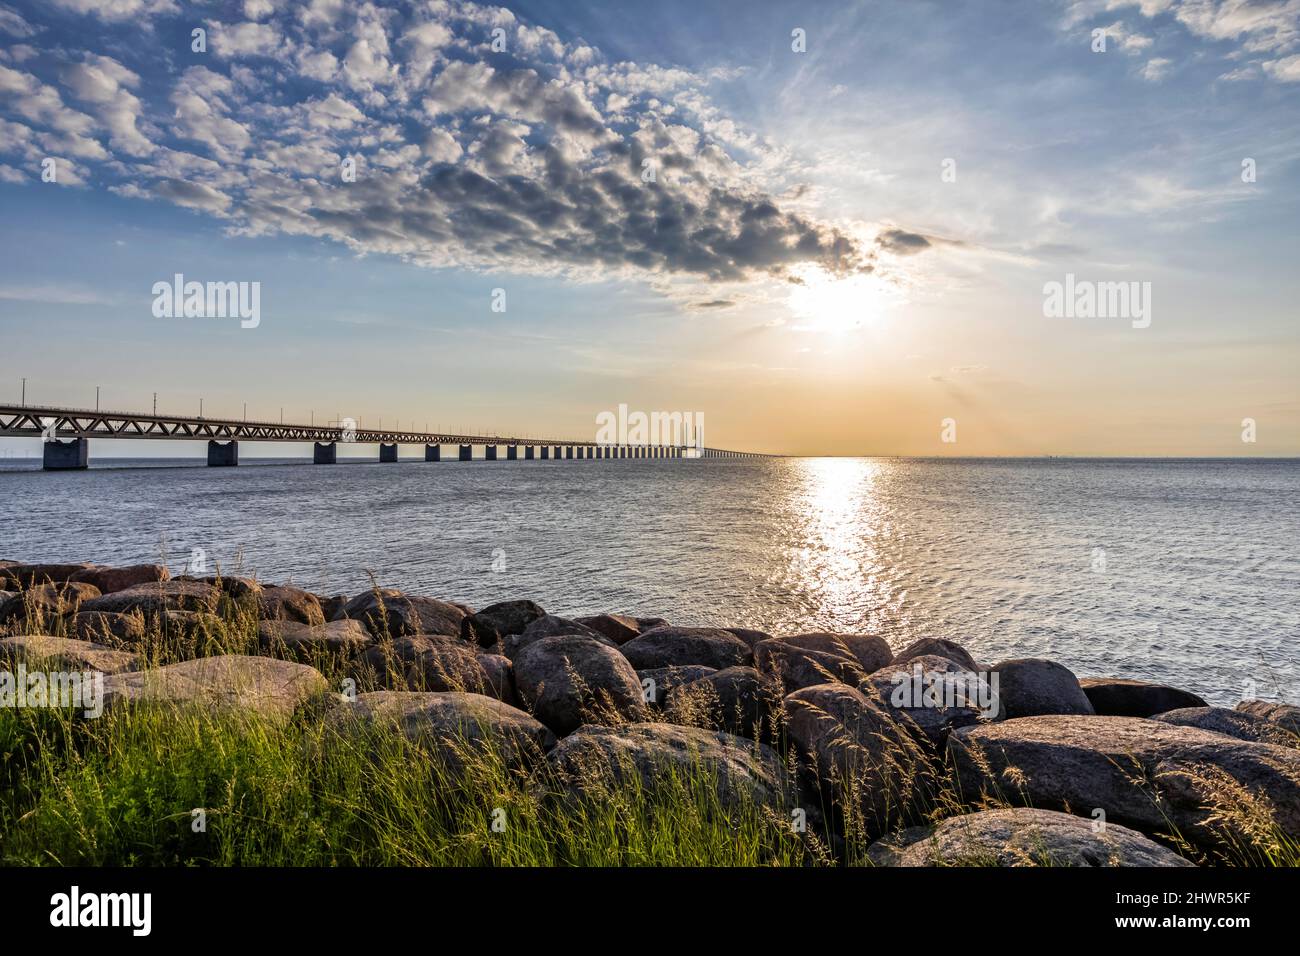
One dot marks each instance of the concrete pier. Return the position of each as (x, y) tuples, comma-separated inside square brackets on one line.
[(433, 453), (71, 455), (490, 452), (325, 453), (466, 452), (387, 453), (512, 452), (559, 453), (529, 451), (223, 454), (568, 451)]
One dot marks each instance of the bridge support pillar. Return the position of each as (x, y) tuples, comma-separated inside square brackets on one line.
[(568, 451), (466, 452), (529, 452), (490, 452), (512, 452), (433, 453), (388, 453), (66, 455), (223, 454), (325, 453), (546, 452)]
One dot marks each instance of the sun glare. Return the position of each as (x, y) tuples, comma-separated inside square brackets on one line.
[(824, 302)]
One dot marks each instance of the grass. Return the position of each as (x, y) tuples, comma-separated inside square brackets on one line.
[(162, 786)]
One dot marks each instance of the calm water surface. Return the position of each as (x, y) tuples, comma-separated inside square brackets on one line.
[(1181, 571)]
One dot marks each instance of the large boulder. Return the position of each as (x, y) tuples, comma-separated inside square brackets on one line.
[(668, 646), (439, 664), (1146, 774), (104, 627), (937, 647), (294, 640), (863, 759), (43, 603), (389, 612), (1233, 723), (572, 680), (805, 660), (231, 585), (738, 700), (230, 684), (659, 758), (1021, 837), (109, 580), (749, 635), (663, 679), (1030, 686), (619, 628), (284, 603), (1121, 697), (488, 627), (24, 576), (155, 598), (1286, 716), (453, 724), (66, 654), (930, 696), (549, 625)]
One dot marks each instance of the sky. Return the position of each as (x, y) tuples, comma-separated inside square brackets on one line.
[(828, 228)]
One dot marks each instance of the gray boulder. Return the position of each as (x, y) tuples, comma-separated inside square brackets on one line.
[(230, 684), (806, 660), (113, 629), (1233, 723), (1121, 697), (664, 679), (284, 603), (42, 604), (440, 664), (1021, 837), (1145, 774), (669, 646), (737, 700), (1286, 716), (387, 612), (494, 623), (548, 626), (66, 654), (937, 647), (572, 680), (108, 580), (1030, 687), (619, 628), (156, 598), (304, 642), (929, 695)]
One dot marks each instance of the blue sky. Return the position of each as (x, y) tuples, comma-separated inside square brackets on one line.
[(798, 270)]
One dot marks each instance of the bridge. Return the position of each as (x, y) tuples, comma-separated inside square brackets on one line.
[(67, 433)]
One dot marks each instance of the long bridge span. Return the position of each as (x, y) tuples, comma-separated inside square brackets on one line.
[(67, 433)]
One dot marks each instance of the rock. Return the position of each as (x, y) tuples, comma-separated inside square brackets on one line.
[(666, 678), (283, 603), (668, 646), (106, 627), (1233, 723), (1119, 697), (43, 603), (303, 642), (1145, 774), (929, 695), (332, 607), (1020, 837), (619, 628), (109, 580), (439, 664), (548, 626), (571, 680), (861, 756), (1286, 716), (805, 660), (66, 654), (1030, 687), (153, 599), (495, 622), (388, 612), (749, 636), (937, 647), (449, 722), (644, 624), (595, 760), (500, 677), (230, 585), (230, 684), (33, 575), (198, 632), (736, 699)]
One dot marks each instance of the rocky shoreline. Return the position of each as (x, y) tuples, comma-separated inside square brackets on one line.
[(939, 758)]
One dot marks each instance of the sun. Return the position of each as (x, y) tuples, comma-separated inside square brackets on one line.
[(824, 302)]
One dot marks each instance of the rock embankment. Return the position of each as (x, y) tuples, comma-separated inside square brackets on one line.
[(938, 758)]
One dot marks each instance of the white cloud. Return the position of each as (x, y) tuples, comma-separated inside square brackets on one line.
[(1287, 69), (1156, 69)]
